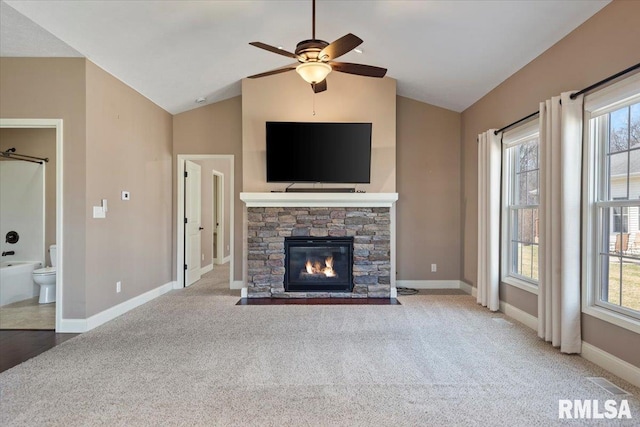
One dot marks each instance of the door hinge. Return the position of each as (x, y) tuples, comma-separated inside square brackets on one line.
[(185, 220), (185, 266), (186, 174)]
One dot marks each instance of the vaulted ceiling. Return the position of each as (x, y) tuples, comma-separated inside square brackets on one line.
[(446, 53)]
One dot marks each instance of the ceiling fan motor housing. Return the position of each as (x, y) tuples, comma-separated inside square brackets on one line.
[(308, 50)]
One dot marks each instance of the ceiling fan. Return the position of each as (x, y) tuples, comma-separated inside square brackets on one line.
[(316, 58)]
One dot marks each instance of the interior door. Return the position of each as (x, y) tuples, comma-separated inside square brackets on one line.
[(192, 224), (216, 257)]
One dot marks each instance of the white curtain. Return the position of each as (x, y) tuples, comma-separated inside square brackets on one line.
[(489, 160), (560, 218)]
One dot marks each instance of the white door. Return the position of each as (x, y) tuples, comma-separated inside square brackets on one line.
[(192, 228), (216, 232)]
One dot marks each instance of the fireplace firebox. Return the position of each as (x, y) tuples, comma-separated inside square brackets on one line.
[(318, 264)]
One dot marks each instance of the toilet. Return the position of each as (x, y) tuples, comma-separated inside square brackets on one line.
[(46, 278)]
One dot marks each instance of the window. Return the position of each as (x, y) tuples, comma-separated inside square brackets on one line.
[(521, 197), (613, 241), (620, 218)]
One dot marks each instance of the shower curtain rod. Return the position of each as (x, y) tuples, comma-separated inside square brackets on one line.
[(21, 160), (12, 152), (576, 94)]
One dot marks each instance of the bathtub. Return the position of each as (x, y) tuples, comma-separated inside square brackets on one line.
[(16, 283)]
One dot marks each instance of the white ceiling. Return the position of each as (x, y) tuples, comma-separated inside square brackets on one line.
[(446, 53)]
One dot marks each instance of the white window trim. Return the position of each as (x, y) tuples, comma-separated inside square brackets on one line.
[(602, 102), (510, 139), (520, 283)]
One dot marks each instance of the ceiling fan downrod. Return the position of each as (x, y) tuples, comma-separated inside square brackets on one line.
[(313, 20)]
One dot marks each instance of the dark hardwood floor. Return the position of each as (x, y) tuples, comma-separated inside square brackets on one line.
[(318, 301), (17, 346)]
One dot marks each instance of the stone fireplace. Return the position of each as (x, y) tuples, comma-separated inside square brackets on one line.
[(343, 245)]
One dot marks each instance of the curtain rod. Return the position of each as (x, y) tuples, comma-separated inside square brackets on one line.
[(577, 94), (495, 132), (605, 81), (21, 160)]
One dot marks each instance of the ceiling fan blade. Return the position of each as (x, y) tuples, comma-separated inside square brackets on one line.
[(276, 71), (274, 49), (339, 47), (359, 69), (319, 87)]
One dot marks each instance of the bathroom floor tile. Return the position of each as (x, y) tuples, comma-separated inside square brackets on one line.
[(28, 314)]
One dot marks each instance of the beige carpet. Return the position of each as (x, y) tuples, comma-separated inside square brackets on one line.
[(28, 314), (192, 357)]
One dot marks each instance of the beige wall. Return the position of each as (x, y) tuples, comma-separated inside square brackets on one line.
[(38, 143), (428, 181), (286, 97), (114, 139), (416, 152), (603, 45), (128, 148), (213, 129), (222, 166), (55, 88)]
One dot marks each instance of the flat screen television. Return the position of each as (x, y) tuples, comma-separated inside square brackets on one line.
[(319, 152)]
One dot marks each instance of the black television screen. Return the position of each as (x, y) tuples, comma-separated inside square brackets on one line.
[(319, 152)]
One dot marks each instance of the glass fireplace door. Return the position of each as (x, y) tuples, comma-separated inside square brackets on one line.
[(318, 264)]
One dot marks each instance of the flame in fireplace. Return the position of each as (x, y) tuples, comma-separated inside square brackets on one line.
[(316, 267), (309, 267), (328, 270)]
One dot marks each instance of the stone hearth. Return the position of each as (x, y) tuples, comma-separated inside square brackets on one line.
[(267, 226)]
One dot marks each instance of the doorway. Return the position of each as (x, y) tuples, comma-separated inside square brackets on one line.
[(204, 238), (218, 224), (192, 222), (59, 236)]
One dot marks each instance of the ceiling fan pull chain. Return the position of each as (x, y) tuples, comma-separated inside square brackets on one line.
[(314, 103)]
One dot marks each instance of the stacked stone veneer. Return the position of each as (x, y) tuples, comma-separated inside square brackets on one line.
[(370, 228)]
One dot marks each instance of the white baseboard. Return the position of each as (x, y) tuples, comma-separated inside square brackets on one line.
[(206, 269), (519, 315), (611, 363), (429, 284), (84, 325), (72, 326), (222, 261), (237, 284), (469, 289), (607, 361)]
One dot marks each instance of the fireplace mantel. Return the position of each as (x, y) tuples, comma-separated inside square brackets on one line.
[(374, 200)]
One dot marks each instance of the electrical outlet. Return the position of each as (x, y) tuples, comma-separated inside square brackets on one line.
[(126, 195), (434, 268), (118, 286)]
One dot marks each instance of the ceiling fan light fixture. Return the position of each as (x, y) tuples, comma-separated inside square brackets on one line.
[(313, 72)]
